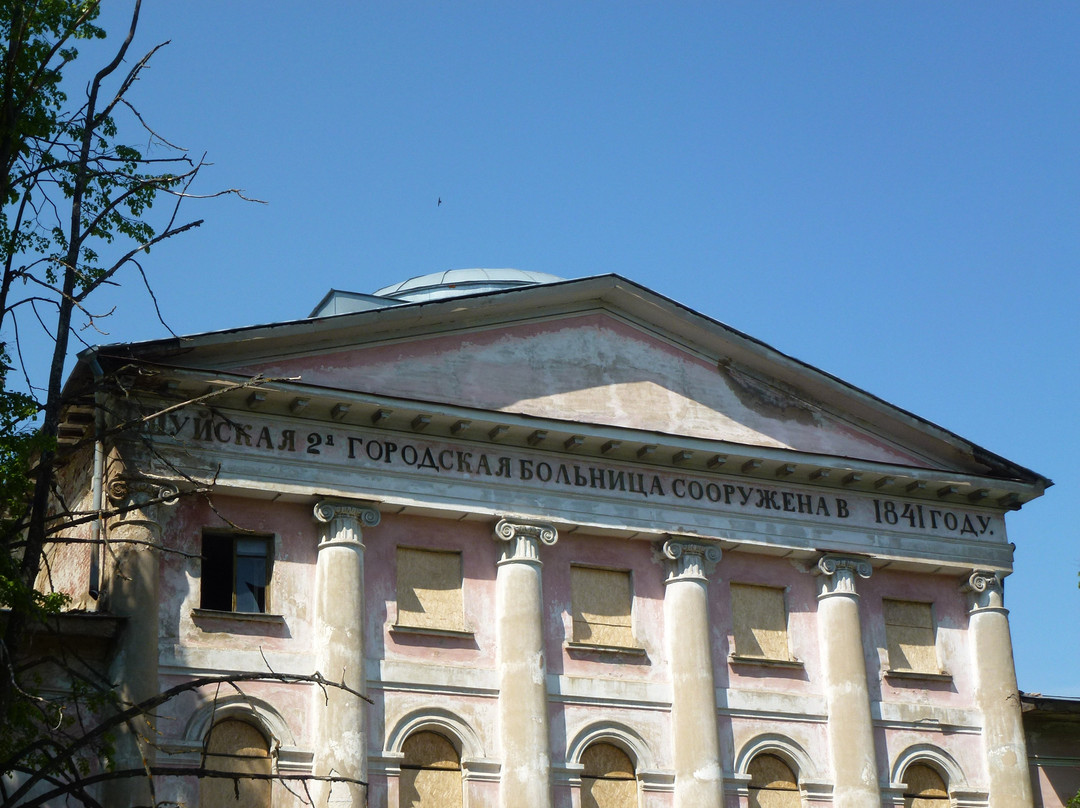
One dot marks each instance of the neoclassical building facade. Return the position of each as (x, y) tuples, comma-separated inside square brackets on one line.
[(567, 544)]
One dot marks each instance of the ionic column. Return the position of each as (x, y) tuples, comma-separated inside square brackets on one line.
[(996, 693), (134, 536), (523, 707), (340, 738), (694, 734), (851, 731)]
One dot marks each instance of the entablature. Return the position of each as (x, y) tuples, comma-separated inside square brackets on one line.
[(311, 405)]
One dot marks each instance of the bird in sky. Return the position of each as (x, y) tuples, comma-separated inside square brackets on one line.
[(440, 202)]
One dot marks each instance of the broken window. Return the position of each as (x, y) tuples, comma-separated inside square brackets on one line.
[(235, 572)]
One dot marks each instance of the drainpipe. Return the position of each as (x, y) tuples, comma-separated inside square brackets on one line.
[(97, 548)]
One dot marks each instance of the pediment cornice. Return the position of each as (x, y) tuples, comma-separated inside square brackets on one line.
[(166, 386)]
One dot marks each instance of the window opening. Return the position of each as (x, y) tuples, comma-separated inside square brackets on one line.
[(235, 573), (924, 788), (429, 589), (601, 601), (430, 773), (608, 779), (910, 633), (772, 784), (236, 746), (759, 617)]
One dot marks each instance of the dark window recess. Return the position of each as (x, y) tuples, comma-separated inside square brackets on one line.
[(235, 573)]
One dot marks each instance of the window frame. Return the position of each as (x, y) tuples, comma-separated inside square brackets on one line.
[(939, 673), (398, 627), (269, 543), (574, 644), (737, 658)]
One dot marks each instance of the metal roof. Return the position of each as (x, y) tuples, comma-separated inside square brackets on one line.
[(454, 282)]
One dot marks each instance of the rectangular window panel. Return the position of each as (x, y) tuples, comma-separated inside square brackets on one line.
[(601, 601), (235, 573), (909, 630), (759, 618), (429, 589)]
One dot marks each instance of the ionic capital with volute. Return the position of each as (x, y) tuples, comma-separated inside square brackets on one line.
[(523, 540), (690, 560), (346, 520), (837, 573), (133, 496), (985, 590)]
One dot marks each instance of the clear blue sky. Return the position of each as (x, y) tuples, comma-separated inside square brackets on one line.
[(888, 191)]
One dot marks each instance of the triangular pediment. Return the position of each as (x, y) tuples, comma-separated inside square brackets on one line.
[(593, 367), (600, 351)]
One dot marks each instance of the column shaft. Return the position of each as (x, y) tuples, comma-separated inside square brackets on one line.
[(135, 538), (340, 738), (851, 731), (694, 733), (997, 695), (523, 707)]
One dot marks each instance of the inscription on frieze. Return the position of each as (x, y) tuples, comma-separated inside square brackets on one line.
[(730, 495)]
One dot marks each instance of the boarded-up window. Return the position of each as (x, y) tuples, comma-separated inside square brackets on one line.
[(601, 602), (608, 779), (924, 788), (760, 622), (429, 589), (772, 784), (909, 629), (430, 773), (235, 746)]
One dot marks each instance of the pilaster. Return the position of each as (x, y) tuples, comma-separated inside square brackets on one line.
[(695, 736), (522, 668)]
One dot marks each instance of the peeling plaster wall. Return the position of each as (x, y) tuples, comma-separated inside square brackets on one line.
[(592, 368), (67, 566)]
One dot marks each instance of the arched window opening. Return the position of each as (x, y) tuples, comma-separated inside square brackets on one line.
[(430, 773), (772, 783), (609, 780), (924, 788), (236, 746)]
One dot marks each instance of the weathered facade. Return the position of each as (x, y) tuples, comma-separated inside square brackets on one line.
[(578, 544)]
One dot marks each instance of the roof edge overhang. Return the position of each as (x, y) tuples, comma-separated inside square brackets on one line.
[(173, 385), (681, 323)]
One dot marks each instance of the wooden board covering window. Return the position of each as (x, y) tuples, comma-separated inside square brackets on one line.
[(924, 788), (430, 773), (608, 779), (772, 784), (909, 630), (429, 589), (759, 619), (236, 746), (601, 601)]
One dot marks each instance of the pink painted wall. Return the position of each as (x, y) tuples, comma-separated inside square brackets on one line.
[(592, 368)]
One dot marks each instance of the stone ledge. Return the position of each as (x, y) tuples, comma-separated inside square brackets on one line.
[(766, 662)]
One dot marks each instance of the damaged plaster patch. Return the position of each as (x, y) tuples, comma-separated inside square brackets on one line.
[(766, 399)]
